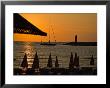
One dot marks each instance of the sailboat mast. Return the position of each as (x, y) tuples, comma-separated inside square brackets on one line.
[(53, 34), (49, 35)]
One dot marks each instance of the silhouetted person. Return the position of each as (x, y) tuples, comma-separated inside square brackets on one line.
[(49, 64), (56, 63), (71, 63), (35, 64), (92, 61)]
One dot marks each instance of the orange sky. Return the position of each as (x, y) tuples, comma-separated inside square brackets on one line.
[(65, 26)]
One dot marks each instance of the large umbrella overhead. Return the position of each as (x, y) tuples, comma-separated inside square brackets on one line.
[(22, 26)]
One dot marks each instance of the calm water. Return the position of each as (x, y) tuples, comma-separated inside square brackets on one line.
[(63, 53)]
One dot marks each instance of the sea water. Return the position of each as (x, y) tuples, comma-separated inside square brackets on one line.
[(63, 53)]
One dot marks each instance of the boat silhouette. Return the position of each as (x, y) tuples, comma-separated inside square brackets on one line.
[(48, 43)]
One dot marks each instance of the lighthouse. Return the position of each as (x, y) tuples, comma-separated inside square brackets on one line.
[(75, 38)]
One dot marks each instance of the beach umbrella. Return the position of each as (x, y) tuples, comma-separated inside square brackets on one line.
[(24, 63), (92, 60), (76, 60), (71, 63), (49, 64), (56, 63), (35, 62)]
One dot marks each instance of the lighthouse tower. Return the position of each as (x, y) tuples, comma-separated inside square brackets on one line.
[(75, 38)]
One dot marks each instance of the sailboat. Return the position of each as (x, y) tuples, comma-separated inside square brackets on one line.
[(49, 43)]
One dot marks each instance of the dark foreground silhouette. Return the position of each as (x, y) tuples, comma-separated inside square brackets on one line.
[(57, 71), (73, 68)]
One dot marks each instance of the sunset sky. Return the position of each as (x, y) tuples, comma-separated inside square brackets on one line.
[(65, 26)]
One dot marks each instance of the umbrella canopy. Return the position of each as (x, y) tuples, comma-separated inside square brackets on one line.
[(24, 62), (22, 26)]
